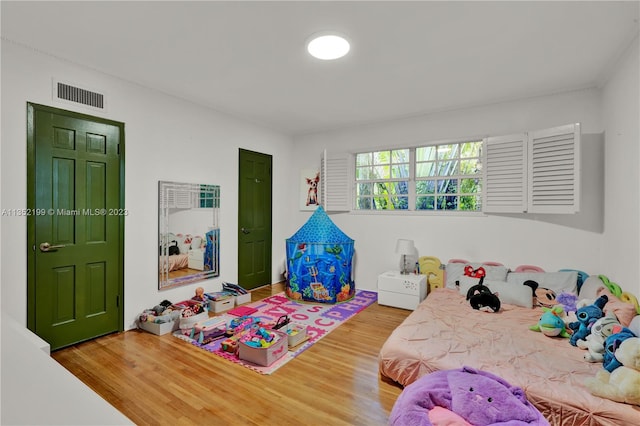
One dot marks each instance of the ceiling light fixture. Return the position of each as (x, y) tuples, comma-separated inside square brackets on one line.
[(328, 46)]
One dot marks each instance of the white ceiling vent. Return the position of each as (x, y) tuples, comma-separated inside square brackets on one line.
[(73, 93)]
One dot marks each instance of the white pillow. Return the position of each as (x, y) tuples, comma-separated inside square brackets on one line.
[(557, 281), (507, 293), (184, 243), (466, 283), (454, 271), (590, 287), (519, 295)]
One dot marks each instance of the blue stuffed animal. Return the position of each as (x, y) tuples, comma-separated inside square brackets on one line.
[(611, 344), (587, 315)]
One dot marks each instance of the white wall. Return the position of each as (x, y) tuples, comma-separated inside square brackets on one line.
[(621, 109), (166, 139), (548, 241)]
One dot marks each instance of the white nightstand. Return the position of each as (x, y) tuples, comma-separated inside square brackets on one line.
[(401, 291), (196, 259)]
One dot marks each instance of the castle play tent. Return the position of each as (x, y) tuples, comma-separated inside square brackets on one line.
[(319, 260)]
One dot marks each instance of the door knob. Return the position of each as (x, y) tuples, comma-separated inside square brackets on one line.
[(44, 247), (245, 230)]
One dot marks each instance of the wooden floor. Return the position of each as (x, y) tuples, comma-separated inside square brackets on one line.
[(159, 380)]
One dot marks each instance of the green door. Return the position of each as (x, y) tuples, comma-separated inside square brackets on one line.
[(254, 220), (75, 231)]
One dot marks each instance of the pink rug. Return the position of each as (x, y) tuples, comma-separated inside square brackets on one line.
[(320, 320)]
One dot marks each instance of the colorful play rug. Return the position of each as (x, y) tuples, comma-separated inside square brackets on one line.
[(320, 320)]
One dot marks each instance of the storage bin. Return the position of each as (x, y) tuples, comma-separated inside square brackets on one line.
[(187, 323), (296, 334), (264, 356), (218, 306), (195, 305), (159, 328), (243, 298)]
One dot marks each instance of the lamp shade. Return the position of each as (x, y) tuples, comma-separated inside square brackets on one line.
[(405, 247)]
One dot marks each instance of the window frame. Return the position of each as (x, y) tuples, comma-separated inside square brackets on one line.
[(413, 181)]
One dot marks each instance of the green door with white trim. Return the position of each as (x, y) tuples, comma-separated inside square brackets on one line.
[(75, 229)]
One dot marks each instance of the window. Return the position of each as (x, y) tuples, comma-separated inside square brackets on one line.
[(382, 180), (448, 177), (443, 177), (208, 197), (529, 172)]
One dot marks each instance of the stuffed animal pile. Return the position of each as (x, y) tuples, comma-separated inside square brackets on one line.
[(616, 346), (623, 383), (594, 342)]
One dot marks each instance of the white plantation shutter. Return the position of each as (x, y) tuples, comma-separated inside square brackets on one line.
[(336, 181), (505, 174), (554, 170)]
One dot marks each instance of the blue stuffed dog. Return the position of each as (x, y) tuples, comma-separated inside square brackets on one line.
[(587, 315)]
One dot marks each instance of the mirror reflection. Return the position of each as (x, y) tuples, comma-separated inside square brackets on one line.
[(189, 236)]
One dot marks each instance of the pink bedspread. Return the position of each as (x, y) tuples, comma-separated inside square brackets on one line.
[(174, 262), (444, 332)]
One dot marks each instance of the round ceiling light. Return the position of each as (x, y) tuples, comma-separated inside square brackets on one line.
[(328, 46)]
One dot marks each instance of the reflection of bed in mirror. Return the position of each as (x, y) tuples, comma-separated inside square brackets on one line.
[(184, 252), (188, 237)]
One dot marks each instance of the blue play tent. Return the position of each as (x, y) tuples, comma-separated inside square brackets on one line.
[(319, 258)]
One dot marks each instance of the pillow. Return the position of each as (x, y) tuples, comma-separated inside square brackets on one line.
[(590, 287), (556, 281), (456, 270), (466, 283), (507, 293), (625, 312), (519, 295), (184, 243)]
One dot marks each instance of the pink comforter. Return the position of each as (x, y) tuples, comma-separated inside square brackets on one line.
[(444, 332), (174, 262)]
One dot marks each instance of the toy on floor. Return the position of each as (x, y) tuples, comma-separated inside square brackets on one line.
[(551, 323), (481, 298), (211, 328), (594, 342), (200, 295), (623, 384), (586, 316)]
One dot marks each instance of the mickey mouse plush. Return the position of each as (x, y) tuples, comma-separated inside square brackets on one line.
[(542, 296), (481, 298)]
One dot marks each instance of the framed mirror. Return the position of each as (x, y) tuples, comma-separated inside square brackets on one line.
[(188, 234)]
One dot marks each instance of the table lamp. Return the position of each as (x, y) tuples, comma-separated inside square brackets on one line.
[(405, 248)]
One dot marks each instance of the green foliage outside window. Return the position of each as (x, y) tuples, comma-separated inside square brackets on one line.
[(446, 177)]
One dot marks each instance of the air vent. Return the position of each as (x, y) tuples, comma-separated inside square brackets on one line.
[(73, 93)]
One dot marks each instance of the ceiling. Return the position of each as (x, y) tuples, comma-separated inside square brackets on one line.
[(248, 59)]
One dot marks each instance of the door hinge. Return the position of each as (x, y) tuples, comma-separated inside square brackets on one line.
[(118, 149), (117, 301)]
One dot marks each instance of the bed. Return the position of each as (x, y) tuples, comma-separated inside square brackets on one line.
[(178, 246), (173, 262), (444, 332)]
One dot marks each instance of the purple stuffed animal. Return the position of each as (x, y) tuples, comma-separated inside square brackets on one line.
[(478, 397)]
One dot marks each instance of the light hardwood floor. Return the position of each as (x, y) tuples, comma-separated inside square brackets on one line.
[(160, 380)]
